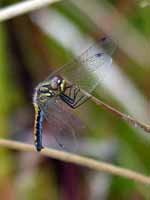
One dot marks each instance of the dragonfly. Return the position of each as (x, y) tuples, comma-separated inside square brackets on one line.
[(70, 85)]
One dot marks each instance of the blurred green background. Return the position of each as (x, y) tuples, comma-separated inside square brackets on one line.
[(32, 46)]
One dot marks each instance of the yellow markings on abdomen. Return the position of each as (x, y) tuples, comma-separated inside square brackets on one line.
[(38, 127)]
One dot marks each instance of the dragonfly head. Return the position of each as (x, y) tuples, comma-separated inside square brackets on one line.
[(57, 83)]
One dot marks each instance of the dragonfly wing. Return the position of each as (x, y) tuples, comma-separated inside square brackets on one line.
[(64, 124), (108, 45), (83, 71)]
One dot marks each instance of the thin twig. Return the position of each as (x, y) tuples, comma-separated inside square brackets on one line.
[(82, 161), (22, 8), (127, 118)]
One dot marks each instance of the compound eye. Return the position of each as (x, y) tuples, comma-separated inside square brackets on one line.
[(55, 82)]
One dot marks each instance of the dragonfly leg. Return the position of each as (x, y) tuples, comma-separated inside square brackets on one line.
[(72, 91), (71, 102), (67, 100), (76, 92), (69, 87), (80, 101)]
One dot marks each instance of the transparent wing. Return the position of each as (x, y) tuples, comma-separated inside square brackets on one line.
[(83, 71), (64, 125)]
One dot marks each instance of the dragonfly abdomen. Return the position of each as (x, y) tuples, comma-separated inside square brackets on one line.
[(38, 125)]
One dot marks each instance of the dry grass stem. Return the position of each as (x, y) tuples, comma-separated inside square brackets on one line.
[(22, 8), (127, 118), (79, 160)]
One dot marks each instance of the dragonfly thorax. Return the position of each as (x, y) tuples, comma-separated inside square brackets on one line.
[(47, 89)]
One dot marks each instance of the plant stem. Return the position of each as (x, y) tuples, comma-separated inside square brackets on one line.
[(80, 160), (22, 8)]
